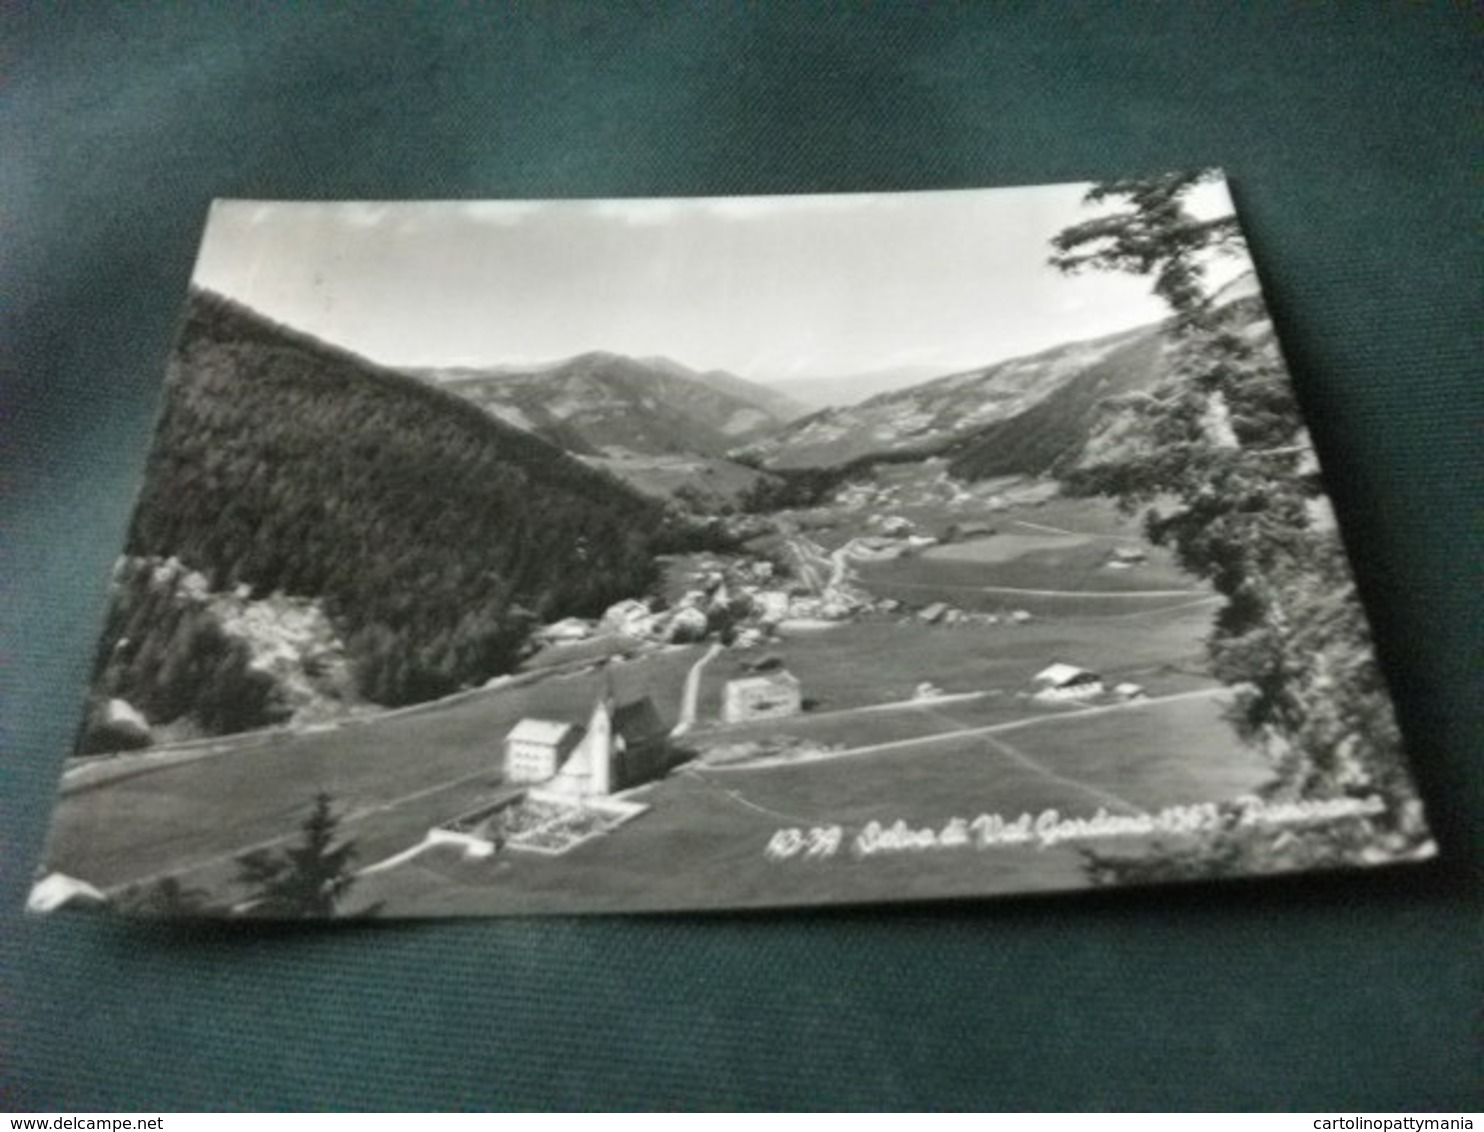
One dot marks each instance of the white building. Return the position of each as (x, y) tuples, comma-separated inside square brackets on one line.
[(536, 748), (1063, 682), (769, 695)]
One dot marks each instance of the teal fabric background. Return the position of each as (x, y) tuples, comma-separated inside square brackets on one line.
[(1352, 138)]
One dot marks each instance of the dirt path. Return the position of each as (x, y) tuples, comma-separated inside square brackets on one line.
[(1064, 531), (1104, 798), (691, 693), (770, 762)]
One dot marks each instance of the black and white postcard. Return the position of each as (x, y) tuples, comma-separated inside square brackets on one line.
[(638, 555)]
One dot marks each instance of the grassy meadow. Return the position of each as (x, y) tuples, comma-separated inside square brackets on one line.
[(865, 750), (703, 841), (445, 757)]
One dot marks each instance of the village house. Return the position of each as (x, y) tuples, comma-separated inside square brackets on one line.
[(933, 613), (1066, 682), (768, 695), (1122, 557)]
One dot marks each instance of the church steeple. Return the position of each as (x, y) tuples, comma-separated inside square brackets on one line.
[(598, 742)]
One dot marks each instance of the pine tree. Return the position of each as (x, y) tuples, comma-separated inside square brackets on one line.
[(306, 880), (1218, 459)]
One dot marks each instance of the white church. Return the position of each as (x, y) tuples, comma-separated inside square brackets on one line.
[(623, 745)]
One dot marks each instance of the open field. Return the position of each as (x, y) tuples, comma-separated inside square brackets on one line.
[(1007, 505), (154, 821), (1004, 547), (1046, 554), (1031, 559), (1090, 605), (193, 819), (1170, 753), (861, 726), (986, 749), (884, 659), (703, 841)]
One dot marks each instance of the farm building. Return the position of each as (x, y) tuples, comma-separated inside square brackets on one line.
[(768, 695), (1066, 682), (536, 748)]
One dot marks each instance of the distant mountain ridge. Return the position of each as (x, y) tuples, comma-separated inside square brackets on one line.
[(1023, 415), (928, 417), (1053, 428), (853, 388), (776, 402), (1072, 425), (602, 403)]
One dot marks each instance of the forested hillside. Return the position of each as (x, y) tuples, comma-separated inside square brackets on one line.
[(1053, 431), (433, 535)]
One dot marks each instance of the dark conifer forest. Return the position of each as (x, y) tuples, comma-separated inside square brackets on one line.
[(434, 535)]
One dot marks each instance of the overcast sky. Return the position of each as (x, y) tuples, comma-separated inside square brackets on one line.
[(769, 288)]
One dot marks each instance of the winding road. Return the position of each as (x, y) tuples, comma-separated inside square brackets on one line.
[(691, 693)]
